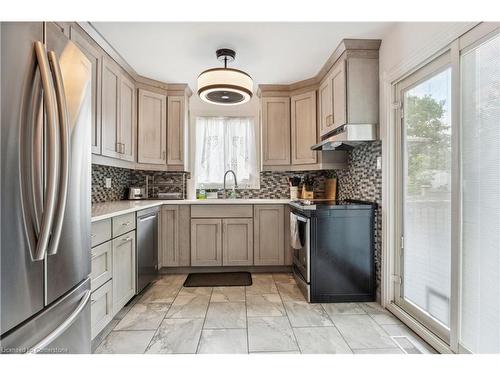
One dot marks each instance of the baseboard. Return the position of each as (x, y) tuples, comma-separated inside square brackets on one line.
[(254, 269)]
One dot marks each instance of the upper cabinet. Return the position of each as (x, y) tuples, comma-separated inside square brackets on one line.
[(303, 126), (117, 113), (109, 109), (95, 57), (349, 92), (127, 119), (152, 128), (275, 120), (176, 130)]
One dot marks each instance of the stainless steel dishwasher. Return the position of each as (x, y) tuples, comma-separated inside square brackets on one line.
[(147, 247)]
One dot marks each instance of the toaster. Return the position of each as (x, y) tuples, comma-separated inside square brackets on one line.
[(136, 193)]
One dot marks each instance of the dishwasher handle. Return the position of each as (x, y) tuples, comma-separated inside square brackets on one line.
[(147, 217)]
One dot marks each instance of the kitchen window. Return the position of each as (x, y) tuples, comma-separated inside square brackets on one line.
[(224, 143)]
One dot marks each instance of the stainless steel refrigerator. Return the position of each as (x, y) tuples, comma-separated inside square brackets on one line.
[(45, 191)]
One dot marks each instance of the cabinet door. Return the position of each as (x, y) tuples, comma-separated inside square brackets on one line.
[(339, 95), (95, 58), (101, 308), (110, 109), (152, 127), (325, 106), (127, 119), (206, 242), (269, 243), (101, 265), (303, 122), (170, 236), (123, 270), (276, 131), (237, 242), (175, 130)]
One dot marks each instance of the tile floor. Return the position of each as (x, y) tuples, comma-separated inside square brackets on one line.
[(270, 316)]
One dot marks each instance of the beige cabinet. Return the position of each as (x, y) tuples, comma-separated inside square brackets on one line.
[(95, 58), (349, 92), (110, 109), (127, 119), (123, 270), (237, 242), (206, 242), (101, 265), (101, 308), (339, 91), (303, 128), (275, 121), (269, 242), (152, 128), (117, 113), (176, 129), (175, 236), (325, 105), (332, 99)]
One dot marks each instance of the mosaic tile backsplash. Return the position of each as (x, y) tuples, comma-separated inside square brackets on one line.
[(121, 179), (360, 180)]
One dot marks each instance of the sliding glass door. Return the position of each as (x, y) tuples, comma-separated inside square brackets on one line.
[(480, 159), (425, 196)]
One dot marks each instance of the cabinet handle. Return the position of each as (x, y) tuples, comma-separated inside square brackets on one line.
[(93, 235), (127, 239), (126, 224)]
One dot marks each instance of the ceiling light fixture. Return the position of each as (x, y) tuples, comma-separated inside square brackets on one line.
[(225, 86)]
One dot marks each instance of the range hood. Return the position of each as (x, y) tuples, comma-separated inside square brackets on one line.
[(347, 136)]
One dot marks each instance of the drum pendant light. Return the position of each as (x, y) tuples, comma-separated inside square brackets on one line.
[(225, 86)]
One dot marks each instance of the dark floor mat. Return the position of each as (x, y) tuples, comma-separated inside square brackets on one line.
[(219, 279)]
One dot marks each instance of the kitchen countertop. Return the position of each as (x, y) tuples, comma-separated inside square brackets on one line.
[(105, 210)]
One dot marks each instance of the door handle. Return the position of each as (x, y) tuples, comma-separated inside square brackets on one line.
[(63, 327), (64, 147), (50, 196)]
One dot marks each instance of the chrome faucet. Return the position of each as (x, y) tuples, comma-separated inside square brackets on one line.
[(233, 195)]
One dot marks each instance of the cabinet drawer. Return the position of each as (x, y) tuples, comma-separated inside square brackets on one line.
[(221, 210), (123, 224), (101, 308), (101, 265), (101, 232)]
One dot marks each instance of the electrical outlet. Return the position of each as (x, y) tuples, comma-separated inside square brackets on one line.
[(107, 182), (379, 162)]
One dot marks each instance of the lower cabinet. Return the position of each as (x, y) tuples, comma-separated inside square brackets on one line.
[(123, 270), (269, 241), (101, 308), (175, 236), (237, 242), (206, 242), (101, 265)]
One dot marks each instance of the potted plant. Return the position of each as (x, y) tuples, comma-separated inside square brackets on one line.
[(331, 184), (307, 187)]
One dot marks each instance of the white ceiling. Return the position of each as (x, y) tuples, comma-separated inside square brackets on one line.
[(177, 52)]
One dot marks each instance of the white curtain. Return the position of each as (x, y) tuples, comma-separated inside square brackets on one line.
[(224, 143)]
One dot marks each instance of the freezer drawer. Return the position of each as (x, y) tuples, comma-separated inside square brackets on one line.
[(63, 327)]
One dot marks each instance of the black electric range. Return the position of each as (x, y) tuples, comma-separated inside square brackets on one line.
[(333, 249)]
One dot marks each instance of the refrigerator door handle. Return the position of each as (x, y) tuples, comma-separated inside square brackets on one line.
[(64, 154), (50, 196), (63, 327)]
